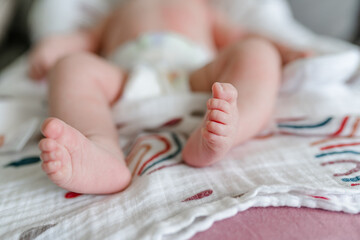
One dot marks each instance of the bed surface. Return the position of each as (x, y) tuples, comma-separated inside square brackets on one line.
[(282, 222)]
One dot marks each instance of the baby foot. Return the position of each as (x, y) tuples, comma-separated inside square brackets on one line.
[(217, 134), (78, 164)]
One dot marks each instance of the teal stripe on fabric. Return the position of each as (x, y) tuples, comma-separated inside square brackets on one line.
[(178, 150), (335, 153), (23, 162), (306, 126), (354, 179)]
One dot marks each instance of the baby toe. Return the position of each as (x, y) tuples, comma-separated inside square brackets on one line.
[(45, 157), (219, 117), (217, 128), (225, 91), (47, 145), (51, 156), (51, 166), (58, 177), (218, 104), (52, 128)]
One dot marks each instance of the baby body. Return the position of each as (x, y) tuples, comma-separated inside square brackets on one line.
[(192, 19), (80, 151)]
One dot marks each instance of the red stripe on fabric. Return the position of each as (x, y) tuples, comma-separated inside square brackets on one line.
[(167, 148), (70, 195), (339, 145), (199, 195), (320, 197), (342, 126), (147, 149)]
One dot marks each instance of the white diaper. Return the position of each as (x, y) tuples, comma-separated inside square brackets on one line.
[(159, 64)]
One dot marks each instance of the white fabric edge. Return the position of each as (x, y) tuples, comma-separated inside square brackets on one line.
[(179, 228)]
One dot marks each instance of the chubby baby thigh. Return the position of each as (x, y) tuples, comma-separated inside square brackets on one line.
[(86, 71)]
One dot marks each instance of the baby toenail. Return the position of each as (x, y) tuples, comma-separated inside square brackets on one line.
[(52, 155), (49, 144), (53, 165), (221, 87)]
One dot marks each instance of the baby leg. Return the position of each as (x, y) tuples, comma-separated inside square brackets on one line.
[(248, 76), (80, 150)]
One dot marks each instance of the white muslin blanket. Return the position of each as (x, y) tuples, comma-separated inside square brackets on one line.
[(309, 156)]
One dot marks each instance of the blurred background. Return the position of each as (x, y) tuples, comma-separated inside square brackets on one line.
[(336, 18)]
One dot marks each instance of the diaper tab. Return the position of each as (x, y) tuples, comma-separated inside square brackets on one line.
[(142, 83)]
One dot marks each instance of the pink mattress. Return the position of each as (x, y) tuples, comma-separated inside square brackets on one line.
[(284, 223)]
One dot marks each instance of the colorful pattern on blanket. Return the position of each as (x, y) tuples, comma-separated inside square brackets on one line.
[(160, 151)]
